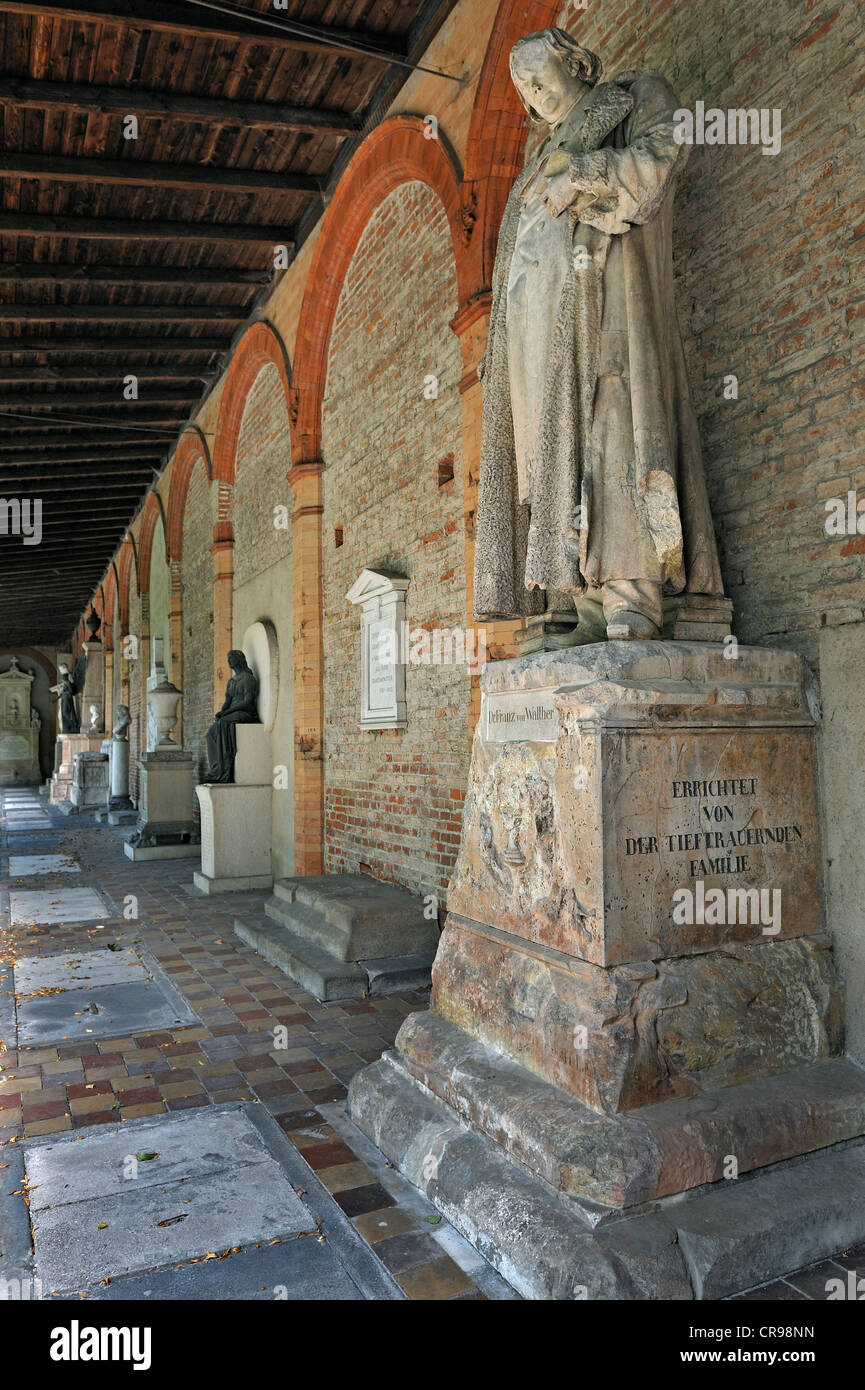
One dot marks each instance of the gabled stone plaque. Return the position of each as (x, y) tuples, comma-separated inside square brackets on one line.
[(382, 691)]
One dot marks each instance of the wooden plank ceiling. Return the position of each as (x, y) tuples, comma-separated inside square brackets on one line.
[(146, 256)]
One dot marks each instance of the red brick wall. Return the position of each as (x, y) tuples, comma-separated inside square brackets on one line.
[(262, 462), (393, 798)]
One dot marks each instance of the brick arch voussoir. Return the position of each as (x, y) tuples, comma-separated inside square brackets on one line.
[(191, 450), (260, 346), (151, 514), (396, 152), (127, 561)]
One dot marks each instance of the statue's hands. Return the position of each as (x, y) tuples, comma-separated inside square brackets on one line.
[(558, 193)]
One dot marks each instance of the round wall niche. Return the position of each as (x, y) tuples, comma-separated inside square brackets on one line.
[(261, 650)]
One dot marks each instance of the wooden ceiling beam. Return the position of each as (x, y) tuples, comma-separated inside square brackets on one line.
[(122, 313), (188, 21), (62, 454), (83, 400), (124, 346), (142, 229), (40, 373), (123, 172), (63, 273), (26, 94)]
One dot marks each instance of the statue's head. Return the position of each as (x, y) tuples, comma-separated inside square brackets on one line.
[(550, 70), (237, 661), (64, 669)]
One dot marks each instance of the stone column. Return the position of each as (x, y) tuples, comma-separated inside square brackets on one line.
[(308, 650)]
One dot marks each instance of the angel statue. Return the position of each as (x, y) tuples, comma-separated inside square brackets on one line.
[(66, 690)]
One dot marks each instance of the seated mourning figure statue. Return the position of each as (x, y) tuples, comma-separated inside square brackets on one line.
[(240, 707)]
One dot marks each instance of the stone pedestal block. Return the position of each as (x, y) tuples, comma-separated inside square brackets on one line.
[(89, 782), (166, 829), (235, 837), (253, 765), (66, 748), (633, 988)]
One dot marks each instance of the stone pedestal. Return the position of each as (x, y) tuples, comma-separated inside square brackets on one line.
[(236, 820), (633, 997), (89, 782), (66, 748), (166, 829), (118, 808)]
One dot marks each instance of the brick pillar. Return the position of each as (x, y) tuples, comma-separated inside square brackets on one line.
[(471, 325), (174, 659), (305, 480), (222, 551)]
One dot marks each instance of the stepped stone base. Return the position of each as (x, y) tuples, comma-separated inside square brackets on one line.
[(344, 936), (708, 1244)]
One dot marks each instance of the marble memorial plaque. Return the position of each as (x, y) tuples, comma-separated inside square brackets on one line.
[(514, 718)]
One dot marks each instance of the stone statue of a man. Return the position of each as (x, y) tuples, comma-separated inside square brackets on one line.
[(591, 479)]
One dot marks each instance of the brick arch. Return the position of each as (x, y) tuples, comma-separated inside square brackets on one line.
[(497, 133), (151, 513), (260, 346), (396, 152), (126, 560), (191, 449)]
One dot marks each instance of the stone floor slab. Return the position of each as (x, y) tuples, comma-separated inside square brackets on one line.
[(79, 970), (80, 1243), (95, 1167), (24, 865), (99, 1012), (305, 1271), (38, 906)]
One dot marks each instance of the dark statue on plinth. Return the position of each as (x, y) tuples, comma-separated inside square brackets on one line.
[(240, 707), (66, 691)]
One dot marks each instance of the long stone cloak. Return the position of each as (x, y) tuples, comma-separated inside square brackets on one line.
[(564, 541)]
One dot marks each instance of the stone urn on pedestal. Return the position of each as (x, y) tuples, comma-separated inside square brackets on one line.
[(166, 829)]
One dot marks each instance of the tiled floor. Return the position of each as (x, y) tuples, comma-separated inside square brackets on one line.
[(257, 1038)]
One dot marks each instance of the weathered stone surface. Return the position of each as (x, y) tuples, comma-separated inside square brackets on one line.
[(235, 835), (353, 916), (624, 1159), (645, 1032), (607, 778), (706, 1245), (344, 936), (747, 1233)]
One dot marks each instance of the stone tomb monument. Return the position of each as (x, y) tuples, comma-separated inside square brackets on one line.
[(19, 729), (166, 828), (631, 1080), (71, 741), (236, 814)]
